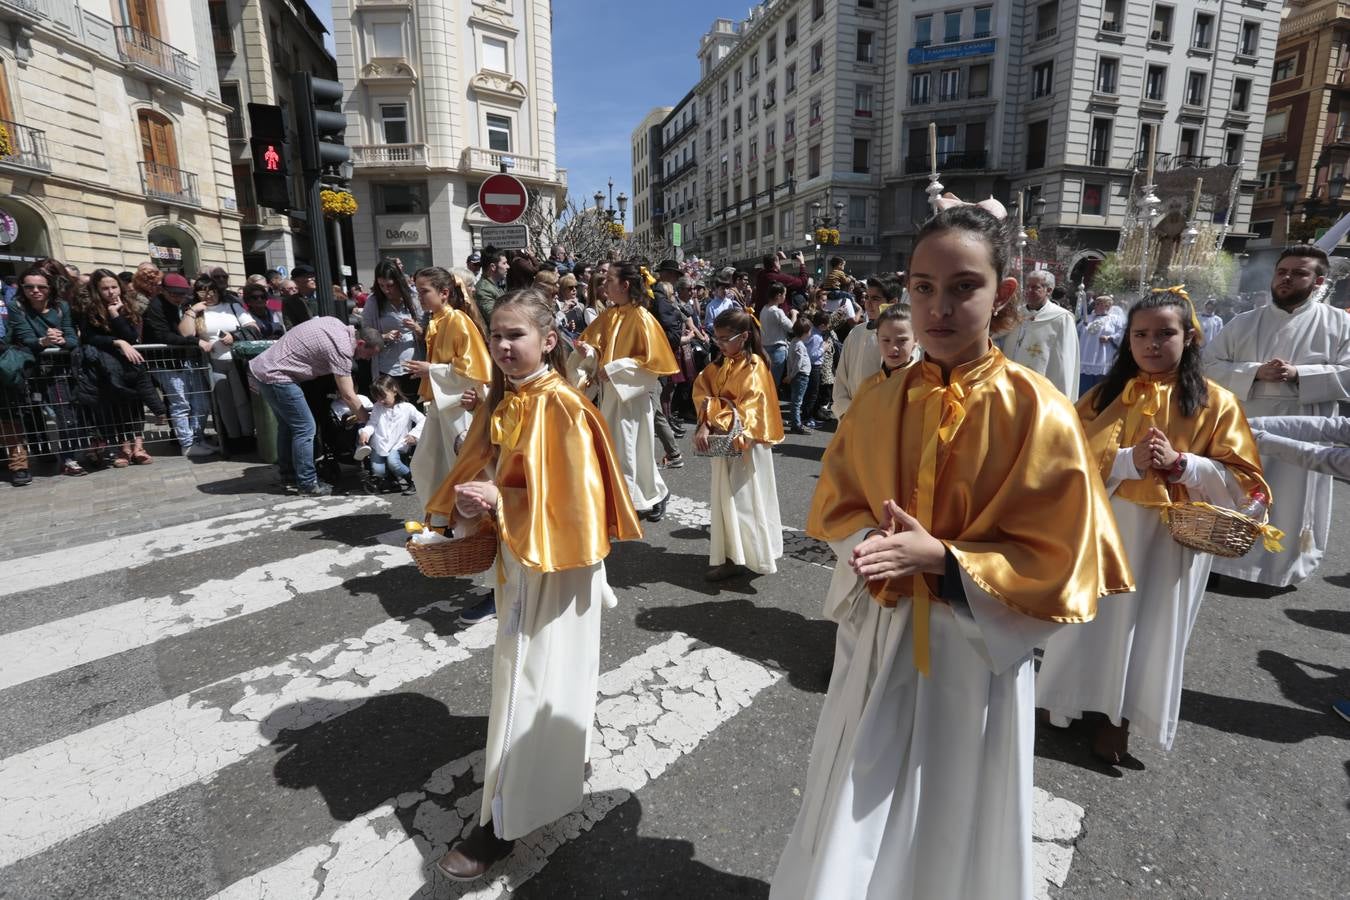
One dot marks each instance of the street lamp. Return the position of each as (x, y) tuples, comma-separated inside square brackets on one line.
[(818, 222), (1290, 197)]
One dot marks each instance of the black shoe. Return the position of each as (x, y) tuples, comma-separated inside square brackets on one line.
[(658, 512), (471, 858), (407, 486), (677, 431), (317, 489), (21, 478), (798, 429)]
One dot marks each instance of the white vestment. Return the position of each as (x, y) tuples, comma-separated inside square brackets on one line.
[(1128, 661), (1098, 355), (628, 403), (1310, 442), (746, 528), (919, 787), (1315, 338), (545, 673), (859, 359), (1211, 324), (1046, 341), (447, 419)]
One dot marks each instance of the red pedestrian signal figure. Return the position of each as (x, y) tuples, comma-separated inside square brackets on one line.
[(272, 159)]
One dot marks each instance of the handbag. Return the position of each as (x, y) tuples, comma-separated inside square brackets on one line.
[(724, 444), (15, 365)]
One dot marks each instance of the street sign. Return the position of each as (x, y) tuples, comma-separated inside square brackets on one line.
[(505, 237), (676, 234), (9, 229), (503, 199)]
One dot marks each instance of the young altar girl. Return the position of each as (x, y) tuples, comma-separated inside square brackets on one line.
[(538, 463), (457, 363), (967, 529), (895, 342), (747, 532), (1158, 430), (625, 352)]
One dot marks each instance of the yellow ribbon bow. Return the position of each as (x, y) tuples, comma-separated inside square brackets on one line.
[(1180, 291), (1144, 399), (507, 421), (943, 413)]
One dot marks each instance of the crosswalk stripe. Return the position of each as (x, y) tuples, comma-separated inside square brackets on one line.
[(653, 709), (58, 566), (66, 787), (55, 646)]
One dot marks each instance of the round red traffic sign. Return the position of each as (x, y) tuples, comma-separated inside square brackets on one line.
[(503, 199)]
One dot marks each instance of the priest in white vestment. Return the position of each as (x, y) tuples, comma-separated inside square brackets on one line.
[(1288, 358), (1046, 340)]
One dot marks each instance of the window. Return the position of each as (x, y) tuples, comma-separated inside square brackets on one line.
[(785, 221), (771, 138), (1113, 15), (750, 228), (946, 142), (754, 66), (494, 55), (1162, 24), (707, 105), (1043, 79), (754, 107), (754, 157), (1250, 41), (737, 163), (736, 77), (1242, 94), (1092, 199), (229, 95), (975, 141), (402, 198), (736, 119), (735, 234), (386, 40), (1284, 68), (814, 118), (817, 57), (949, 84), (1203, 36), (862, 156), (857, 212), (862, 100), (1038, 133), (951, 27), (770, 93), (864, 46), (790, 79), (499, 133), (771, 48), (1232, 149), (1107, 70), (1155, 83), (1196, 82), (923, 31), (920, 88), (724, 128), (724, 92), (1277, 125), (1188, 147), (159, 150), (790, 31), (813, 161), (1047, 19), (1099, 147), (817, 10), (789, 127), (1145, 130), (984, 22), (394, 121), (977, 81), (766, 226), (707, 139)]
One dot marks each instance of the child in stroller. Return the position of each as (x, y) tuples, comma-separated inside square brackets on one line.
[(339, 434)]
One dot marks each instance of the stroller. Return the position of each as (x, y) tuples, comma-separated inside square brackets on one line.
[(338, 435)]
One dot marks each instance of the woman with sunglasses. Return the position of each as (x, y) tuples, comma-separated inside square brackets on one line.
[(217, 322)]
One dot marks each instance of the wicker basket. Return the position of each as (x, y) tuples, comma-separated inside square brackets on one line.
[(1209, 529), (456, 558), (724, 444)]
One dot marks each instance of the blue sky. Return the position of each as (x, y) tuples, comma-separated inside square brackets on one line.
[(613, 60)]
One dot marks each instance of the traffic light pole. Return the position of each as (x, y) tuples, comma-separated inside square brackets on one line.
[(315, 124)]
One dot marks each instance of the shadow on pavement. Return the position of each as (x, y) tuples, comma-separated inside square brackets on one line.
[(1298, 686), (804, 648), (1232, 587), (634, 564), (259, 479), (1338, 580), (405, 594), (1256, 719), (356, 530), (1073, 745), (800, 451), (1337, 620)]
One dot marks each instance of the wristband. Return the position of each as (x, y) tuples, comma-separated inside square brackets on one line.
[(1178, 468)]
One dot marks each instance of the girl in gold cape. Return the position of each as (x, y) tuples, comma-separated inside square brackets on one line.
[(747, 531), (457, 369), (1159, 431), (625, 352), (969, 524), (539, 460), (895, 345)]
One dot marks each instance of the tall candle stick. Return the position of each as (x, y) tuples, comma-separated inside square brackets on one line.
[(932, 146), (1195, 200), (1152, 136)]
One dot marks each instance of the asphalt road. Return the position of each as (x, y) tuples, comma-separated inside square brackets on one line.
[(275, 704)]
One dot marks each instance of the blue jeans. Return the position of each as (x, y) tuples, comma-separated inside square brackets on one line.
[(777, 355), (295, 432), (798, 394), (186, 396), (395, 462)]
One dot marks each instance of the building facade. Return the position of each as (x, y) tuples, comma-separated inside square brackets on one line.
[(442, 94), (646, 146), (258, 44), (117, 135), (679, 170)]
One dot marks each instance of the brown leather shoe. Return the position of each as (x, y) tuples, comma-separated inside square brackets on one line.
[(471, 858), (1111, 743)]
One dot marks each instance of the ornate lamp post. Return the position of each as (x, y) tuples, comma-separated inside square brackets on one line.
[(608, 215), (825, 223), (1290, 197)]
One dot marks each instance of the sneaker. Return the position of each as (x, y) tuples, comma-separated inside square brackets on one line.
[(1340, 707), (206, 442), (658, 512), (199, 450), (673, 462), (811, 423), (480, 612), (362, 453), (797, 429), (317, 489), (74, 469), (21, 477)]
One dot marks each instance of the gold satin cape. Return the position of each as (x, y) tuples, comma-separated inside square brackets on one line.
[(745, 384), (452, 339), (630, 332), (1218, 431), (563, 497), (994, 464), (879, 377)]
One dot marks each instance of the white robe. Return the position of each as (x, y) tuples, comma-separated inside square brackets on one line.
[(446, 420), (1128, 661), (545, 673), (746, 527), (919, 787), (1310, 442), (1097, 357), (859, 359), (1046, 341), (1211, 325), (1315, 338), (628, 401)]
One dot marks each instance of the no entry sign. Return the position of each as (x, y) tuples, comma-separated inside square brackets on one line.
[(502, 198)]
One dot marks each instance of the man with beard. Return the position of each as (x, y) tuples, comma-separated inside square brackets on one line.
[(1288, 358)]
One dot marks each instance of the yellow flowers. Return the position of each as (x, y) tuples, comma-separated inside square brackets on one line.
[(613, 229), (827, 235), (337, 203), (6, 145)]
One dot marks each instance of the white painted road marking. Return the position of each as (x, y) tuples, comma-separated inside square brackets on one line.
[(57, 566)]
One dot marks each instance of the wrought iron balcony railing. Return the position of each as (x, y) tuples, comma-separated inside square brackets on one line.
[(28, 147), (160, 182), (138, 48)]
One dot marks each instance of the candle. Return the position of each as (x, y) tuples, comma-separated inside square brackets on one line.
[(1152, 136), (1195, 201), (932, 146)]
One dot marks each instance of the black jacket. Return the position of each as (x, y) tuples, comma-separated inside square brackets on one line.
[(160, 324)]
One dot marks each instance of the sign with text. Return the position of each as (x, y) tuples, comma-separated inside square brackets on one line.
[(503, 199), (918, 56), (505, 237), (402, 231)]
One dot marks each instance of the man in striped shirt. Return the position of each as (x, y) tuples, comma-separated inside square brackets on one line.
[(315, 348)]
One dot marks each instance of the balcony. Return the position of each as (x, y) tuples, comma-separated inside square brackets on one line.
[(28, 148), (152, 56), (234, 125), (478, 161), (1167, 162), (1338, 135), (948, 160), (159, 182), (24, 11), (389, 156)]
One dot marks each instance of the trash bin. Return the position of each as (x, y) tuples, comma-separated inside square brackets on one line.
[(264, 423)]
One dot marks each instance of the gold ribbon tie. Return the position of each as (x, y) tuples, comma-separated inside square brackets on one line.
[(1144, 399), (507, 421)]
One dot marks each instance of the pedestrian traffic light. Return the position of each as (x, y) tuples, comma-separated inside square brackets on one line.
[(321, 122), (271, 173)]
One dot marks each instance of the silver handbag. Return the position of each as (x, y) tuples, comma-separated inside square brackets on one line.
[(724, 444)]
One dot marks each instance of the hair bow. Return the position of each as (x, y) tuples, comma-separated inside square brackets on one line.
[(1180, 291), (991, 206)]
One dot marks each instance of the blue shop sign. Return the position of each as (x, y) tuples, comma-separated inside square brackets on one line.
[(944, 52)]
